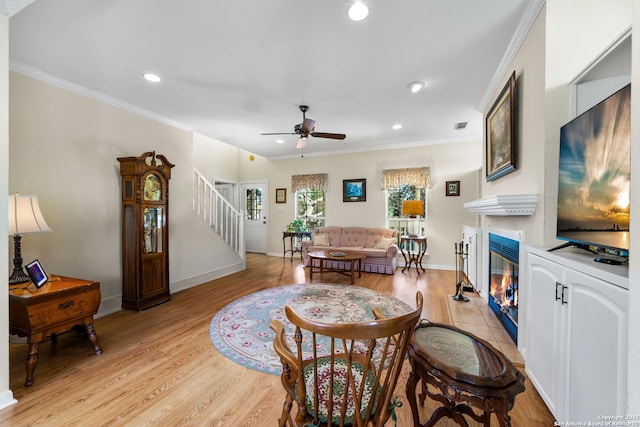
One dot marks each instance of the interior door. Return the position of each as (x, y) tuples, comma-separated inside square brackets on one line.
[(228, 191), (254, 203)]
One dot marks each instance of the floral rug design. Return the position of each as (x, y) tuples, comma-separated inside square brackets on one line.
[(240, 331)]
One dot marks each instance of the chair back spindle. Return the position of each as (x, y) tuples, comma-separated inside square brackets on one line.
[(350, 371)]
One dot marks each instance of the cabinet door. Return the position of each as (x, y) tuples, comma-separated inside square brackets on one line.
[(597, 348), (545, 332)]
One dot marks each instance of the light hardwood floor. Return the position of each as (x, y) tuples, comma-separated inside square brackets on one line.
[(159, 367)]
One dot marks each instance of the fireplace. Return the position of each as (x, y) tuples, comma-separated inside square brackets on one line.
[(504, 255)]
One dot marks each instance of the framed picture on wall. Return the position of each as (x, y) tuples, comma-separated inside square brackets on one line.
[(453, 188), (501, 132), (354, 190), (281, 195)]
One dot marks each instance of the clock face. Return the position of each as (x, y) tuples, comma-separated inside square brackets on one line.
[(152, 188)]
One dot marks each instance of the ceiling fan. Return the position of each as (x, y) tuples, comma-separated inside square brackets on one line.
[(306, 129)]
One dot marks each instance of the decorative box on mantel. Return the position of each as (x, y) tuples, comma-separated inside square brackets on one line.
[(504, 205)]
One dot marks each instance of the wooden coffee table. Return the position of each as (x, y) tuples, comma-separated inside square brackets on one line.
[(354, 259), (465, 371)]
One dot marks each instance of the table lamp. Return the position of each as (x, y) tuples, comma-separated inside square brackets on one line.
[(413, 209), (24, 218)]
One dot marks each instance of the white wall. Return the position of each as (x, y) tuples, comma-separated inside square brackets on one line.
[(529, 176), (6, 396), (64, 148), (445, 215)]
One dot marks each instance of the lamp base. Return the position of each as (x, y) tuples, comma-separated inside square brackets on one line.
[(18, 276)]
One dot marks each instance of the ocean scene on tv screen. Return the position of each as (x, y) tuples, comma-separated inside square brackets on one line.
[(594, 176)]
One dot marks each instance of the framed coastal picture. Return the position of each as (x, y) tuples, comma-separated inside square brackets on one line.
[(501, 132), (354, 190)]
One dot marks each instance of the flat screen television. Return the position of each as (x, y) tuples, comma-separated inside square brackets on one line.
[(594, 178)]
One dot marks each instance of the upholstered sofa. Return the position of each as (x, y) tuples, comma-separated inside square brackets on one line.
[(378, 244)]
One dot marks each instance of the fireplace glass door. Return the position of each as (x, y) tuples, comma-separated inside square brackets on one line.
[(503, 281)]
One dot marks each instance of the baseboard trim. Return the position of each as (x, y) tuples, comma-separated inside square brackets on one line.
[(205, 277), (109, 306), (7, 399), (114, 304)]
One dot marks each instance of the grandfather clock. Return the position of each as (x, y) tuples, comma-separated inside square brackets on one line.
[(145, 230)]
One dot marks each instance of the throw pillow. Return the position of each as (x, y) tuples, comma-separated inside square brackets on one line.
[(320, 240), (385, 243)]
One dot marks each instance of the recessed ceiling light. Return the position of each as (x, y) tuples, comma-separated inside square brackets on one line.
[(151, 77), (358, 11), (280, 141), (396, 126), (416, 86)]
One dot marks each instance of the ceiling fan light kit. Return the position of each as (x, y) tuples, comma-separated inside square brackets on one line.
[(307, 129)]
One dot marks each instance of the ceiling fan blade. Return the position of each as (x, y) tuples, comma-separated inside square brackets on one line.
[(328, 135), (278, 133), (308, 125)]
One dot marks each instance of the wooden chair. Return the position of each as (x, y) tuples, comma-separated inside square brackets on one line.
[(360, 371)]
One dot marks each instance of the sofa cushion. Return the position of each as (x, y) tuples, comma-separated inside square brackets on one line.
[(320, 239), (334, 233), (375, 234), (384, 243), (373, 253), (353, 236)]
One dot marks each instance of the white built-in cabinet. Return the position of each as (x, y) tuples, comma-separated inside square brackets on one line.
[(576, 337)]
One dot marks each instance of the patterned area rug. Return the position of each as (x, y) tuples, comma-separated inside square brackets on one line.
[(240, 331)]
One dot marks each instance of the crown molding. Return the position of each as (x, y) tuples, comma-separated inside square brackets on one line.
[(98, 96), (11, 7), (525, 24)]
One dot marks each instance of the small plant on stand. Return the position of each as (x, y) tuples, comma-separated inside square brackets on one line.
[(296, 225)]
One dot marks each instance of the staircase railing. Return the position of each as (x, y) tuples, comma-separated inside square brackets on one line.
[(217, 213)]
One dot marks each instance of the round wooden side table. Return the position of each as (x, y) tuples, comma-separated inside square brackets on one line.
[(413, 249), (460, 371)]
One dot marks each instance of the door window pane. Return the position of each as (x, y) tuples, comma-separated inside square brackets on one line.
[(254, 204)]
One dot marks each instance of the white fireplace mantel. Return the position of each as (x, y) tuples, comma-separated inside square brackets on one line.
[(504, 205)]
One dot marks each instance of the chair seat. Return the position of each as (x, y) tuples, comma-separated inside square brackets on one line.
[(339, 385)]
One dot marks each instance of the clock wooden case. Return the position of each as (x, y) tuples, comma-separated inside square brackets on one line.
[(145, 230)]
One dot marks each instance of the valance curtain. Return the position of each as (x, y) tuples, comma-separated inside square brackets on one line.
[(394, 178), (314, 181)]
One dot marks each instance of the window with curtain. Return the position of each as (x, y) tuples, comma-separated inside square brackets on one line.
[(309, 192), (405, 184)]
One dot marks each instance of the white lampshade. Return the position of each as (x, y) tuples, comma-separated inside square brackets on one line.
[(25, 216)]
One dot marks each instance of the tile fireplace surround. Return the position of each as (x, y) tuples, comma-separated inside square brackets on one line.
[(476, 317)]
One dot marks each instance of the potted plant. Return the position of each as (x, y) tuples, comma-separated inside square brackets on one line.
[(296, 225)]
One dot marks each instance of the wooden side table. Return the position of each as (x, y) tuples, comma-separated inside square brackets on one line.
[(293, 248), (465, 372), (413, 249), (58, 306)]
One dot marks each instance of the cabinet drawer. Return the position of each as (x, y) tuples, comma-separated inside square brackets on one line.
[(64, 308)]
